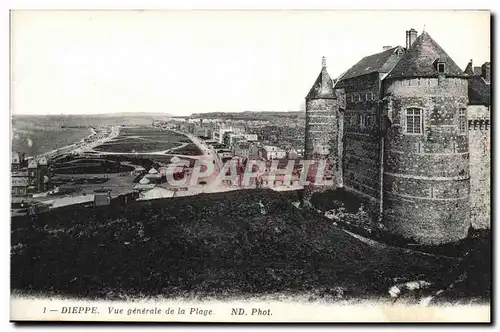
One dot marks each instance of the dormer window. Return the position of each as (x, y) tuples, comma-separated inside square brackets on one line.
[(441, 68)]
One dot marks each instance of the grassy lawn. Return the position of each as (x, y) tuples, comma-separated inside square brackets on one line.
[(89, 166), (218, 245), (144, 139)]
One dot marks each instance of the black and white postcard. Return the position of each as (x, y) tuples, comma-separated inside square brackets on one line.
[(250, 165)]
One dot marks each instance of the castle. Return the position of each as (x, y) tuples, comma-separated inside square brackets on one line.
[(408, 131)]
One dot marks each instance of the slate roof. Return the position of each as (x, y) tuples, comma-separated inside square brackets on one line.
[(479, 89), (323, 87), (381, 62), (420, 60)]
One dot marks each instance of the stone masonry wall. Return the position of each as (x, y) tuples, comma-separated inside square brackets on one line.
[(321, 138), (361, 142), (480, 165), (426, 175)]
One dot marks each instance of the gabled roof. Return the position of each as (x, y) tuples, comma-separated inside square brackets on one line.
[(420, 60), (323, 87), (42, 161), (381, 62), (32, 164)]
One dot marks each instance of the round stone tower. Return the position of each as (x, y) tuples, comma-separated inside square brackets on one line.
[(426, 159), (321, 132)]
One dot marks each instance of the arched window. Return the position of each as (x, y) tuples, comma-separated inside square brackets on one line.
[(414, 121)]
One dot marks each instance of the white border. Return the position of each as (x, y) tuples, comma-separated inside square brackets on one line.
[(166, 4)]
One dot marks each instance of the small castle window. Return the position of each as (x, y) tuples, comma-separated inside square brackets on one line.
[(462, 121), (470, 124), (352, 97), (441, 68), (413, 121), (354, 119), (418, 147), (362, 123), (486, 124), (359, 96), (481, 124)]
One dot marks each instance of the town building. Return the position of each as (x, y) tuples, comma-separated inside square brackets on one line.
[(280, 181), (241, 150), (218, 133), (401, 140), (201, 132), (38, 175), (271, 152), (292, 154), (19, 183), (17, 161)]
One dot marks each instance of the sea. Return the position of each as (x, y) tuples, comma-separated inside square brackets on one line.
[(37, 134)]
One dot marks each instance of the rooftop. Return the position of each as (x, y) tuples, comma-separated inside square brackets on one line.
[(479, 87), (323, 87), (421, 58), (381, 62)]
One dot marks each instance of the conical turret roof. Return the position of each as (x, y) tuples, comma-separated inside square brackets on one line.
[(323, 87), (421, 59)]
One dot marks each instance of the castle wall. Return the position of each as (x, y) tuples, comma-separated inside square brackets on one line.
[(426, 176), (321, 134), (361, 142), (480, 165)]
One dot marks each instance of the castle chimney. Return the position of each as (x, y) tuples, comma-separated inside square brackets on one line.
[(411, 35), (486, 71), (385, 48)]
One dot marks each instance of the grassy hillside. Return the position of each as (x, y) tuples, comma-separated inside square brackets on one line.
[(220, 244)]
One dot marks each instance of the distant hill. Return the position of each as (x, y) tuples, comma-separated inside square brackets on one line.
[(249, 115), (90, 116)]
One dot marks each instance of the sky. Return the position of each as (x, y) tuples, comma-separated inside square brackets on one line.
[(183, 62)]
